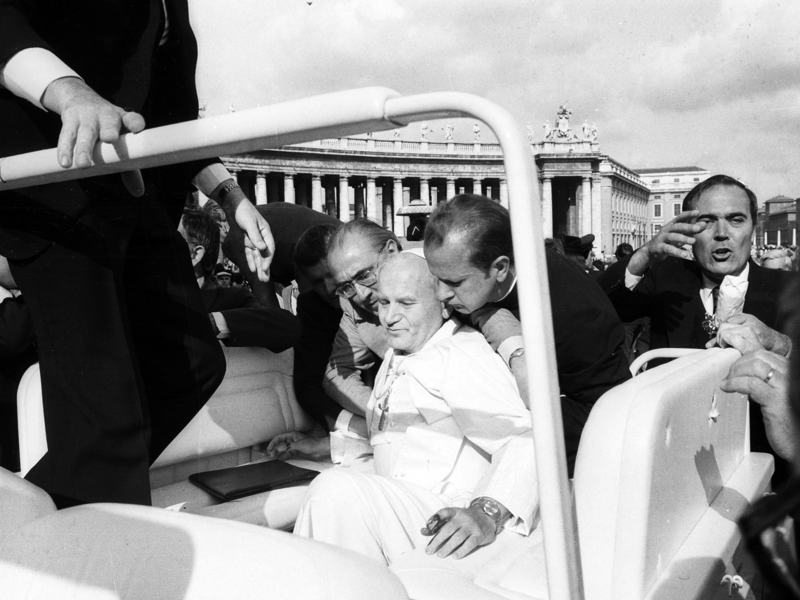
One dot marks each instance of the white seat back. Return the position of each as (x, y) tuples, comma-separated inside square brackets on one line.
[(30, 419), (254, 403), (654, 455)]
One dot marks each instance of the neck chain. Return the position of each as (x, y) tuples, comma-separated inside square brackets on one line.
[(382, 397)]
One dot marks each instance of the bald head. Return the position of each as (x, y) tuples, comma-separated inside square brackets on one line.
[(407, 304)]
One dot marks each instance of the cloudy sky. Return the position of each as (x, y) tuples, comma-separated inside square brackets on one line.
[(711, 83)]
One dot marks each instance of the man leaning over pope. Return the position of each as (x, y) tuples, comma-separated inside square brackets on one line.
[(451, 438)]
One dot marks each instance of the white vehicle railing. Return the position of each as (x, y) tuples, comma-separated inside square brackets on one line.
[(376, 109)]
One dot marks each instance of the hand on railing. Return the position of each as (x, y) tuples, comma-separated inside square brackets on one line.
[(85, 118)]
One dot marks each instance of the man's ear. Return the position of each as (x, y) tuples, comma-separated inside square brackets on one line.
[(391, 247), (197, 254), (502, 265)]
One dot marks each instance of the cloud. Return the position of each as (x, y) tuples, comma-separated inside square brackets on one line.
[(713, 83)]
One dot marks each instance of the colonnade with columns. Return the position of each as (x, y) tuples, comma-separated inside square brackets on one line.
[(587, 200), (375, 196)]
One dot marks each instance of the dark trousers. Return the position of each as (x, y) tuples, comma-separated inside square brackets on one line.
[(126, 351)]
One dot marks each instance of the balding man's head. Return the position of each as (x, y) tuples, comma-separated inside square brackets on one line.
[(407, 304)]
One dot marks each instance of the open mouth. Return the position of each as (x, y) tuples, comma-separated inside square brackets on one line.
[(722, 254)]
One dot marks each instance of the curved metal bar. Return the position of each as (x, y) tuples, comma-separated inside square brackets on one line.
[(564, 579), (375, 109)]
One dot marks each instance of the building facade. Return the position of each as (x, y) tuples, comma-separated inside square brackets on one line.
[(581, 189), (667, 188), (778, 222)]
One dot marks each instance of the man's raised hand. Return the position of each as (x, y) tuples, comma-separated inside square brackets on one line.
[(670, 241)]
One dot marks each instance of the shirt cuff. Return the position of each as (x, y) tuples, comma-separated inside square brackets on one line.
[(347, 446), (631, 280), (509, 346), (28, 73), (210, 177), (222, 325), (343, 421)]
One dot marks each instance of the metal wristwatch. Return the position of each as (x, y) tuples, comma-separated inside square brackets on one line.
[(492, 509)]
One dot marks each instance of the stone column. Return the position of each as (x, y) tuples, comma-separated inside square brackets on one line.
[(397, 198), (316, 193), (547, 207), (288, 188), (424, 190), (344, 199), (504, 193), (586, 207), (477, 187), (451, 187), (373, 211), (261, 188)]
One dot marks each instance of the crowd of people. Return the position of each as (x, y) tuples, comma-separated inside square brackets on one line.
[(409, 360)]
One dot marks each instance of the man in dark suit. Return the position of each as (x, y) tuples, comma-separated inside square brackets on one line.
[(699, 260), (235, 316), (288, 223), (468, 248), (127, 355)]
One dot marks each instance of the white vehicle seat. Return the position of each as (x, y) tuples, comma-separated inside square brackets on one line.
[(662, 474), (21, 503), (254, 403), (115, 551)]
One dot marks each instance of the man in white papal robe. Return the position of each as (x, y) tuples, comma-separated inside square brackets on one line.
[(451, 437)]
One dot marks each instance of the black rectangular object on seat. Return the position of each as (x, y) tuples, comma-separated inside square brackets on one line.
[(246, 480)]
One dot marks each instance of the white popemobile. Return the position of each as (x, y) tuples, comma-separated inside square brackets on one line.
[(663, 472)]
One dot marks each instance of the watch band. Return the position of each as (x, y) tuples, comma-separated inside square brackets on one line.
[(227, 189), (492, 509)]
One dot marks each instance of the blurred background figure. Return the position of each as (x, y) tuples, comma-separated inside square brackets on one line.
[(622, 251), (779, 258), (223, 275)]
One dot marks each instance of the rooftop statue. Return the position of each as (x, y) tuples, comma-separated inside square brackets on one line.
[(563, 132), (448, 132), (476, 129), (423, 131)]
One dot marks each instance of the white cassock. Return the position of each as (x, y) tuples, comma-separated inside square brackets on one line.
[(446, 425)]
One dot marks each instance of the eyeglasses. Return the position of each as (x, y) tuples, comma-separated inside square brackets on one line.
[(348, 289), (769, 528)]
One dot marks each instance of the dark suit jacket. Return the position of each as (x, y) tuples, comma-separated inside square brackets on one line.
[(320, 323), (114, 46), (669, 293), (251, 323), (288, 222), (588, 337)]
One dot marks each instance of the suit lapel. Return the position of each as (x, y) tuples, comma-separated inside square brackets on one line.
[(689, 330)]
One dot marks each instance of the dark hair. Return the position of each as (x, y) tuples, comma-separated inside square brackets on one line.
[(480, 220), (623, 250), (312, 246), (717, 180), (202, 230), (371, 231)]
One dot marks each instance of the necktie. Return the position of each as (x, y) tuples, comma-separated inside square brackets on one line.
[(709, 321), (715, 298)]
